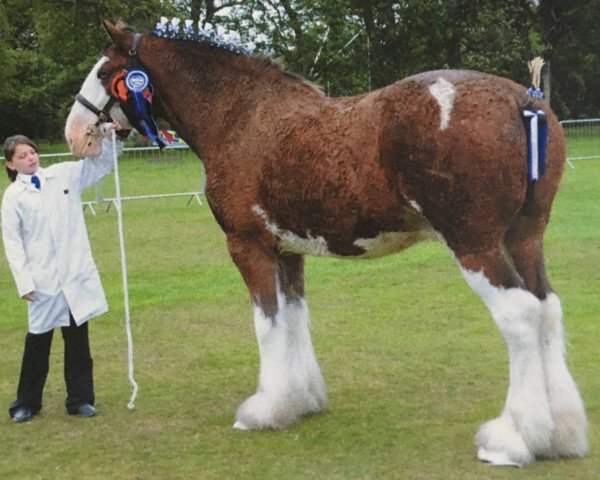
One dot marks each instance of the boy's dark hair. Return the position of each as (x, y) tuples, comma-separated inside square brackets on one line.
[(10, 145)]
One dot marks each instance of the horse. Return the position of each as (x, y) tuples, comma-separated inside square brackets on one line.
[(291, 172)]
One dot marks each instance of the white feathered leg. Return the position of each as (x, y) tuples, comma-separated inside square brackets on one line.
[(290, 381), (525, 427), (570, 432)]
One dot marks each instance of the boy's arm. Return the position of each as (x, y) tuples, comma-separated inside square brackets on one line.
[(94, 168), (13, 247)]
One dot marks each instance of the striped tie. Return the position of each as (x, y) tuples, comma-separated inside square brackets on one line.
[(36, 181)]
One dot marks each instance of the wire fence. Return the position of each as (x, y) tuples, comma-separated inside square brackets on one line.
[(583, 138), (169, 155), (583, 143)]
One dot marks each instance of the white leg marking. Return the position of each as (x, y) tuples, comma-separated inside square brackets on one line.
[(290, 381), (525, 427), (444, 92), (566, 406), (289, 242), (416, 206)]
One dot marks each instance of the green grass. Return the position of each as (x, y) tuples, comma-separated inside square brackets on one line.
[(412, 359)]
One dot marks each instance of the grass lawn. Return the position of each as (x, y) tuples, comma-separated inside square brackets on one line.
[(411, 357)]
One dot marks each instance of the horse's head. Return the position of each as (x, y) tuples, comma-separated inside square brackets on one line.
[(96, 101)]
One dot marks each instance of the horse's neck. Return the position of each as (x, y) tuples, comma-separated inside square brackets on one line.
[(203, 90)]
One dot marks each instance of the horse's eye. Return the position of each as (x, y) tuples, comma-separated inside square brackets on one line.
[(102, 75)]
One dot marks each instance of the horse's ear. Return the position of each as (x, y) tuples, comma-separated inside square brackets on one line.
[(117, 34)]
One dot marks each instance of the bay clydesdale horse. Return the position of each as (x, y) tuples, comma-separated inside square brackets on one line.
[(291, 172)]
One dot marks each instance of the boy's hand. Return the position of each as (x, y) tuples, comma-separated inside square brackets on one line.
[(28, 296), (107, 128)]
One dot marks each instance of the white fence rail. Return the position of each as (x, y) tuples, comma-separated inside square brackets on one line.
[(583, 142), (148, 154), (583, 138)]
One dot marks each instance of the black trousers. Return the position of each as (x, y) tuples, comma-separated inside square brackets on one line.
[(78, 369)]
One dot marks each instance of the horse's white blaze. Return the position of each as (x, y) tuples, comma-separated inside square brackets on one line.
[(80, 118), (292, 243), (443, 91), (94, 92), (290, 381), (92, 88), (518, 314)]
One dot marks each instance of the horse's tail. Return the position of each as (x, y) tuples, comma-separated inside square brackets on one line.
[(545, 156), (524, 237)]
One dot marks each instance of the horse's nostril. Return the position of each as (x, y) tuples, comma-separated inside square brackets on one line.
[(89, 144)]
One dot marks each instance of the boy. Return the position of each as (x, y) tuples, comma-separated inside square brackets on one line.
[(48, 251)]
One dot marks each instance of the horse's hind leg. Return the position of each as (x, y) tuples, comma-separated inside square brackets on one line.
[(525, 426), (569, 438), (290, 382)]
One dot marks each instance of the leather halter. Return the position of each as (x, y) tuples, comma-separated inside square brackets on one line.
[(103, 113)]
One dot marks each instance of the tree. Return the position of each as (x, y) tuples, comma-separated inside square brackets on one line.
[(50, 47), (571, 31), (6, 58), (346, 46)]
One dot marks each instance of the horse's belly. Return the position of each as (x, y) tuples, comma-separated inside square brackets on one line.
[(379, 246), (389, 242), (342, 244)]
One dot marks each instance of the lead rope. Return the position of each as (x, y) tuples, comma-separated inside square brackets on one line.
[(131, 403)]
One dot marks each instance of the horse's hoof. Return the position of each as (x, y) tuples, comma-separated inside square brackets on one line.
[(500, 459), (240, 426), (265, 412), (499, 443)]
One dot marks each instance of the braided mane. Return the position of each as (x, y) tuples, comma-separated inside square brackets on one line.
[(220, 39)]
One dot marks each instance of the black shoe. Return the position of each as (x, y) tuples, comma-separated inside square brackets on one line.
[(22, 414), (86, 410)]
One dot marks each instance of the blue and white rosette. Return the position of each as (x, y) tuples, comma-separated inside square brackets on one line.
[(137, 81)]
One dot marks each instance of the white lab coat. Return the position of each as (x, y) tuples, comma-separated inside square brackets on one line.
[(46, 242)]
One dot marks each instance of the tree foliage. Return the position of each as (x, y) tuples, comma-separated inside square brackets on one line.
[(50, 46), (347, 46), (571, 34)]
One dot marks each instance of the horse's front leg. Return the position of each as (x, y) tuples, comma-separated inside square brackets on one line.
[(290, 382)]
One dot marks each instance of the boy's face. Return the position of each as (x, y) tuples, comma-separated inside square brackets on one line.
[(25, 160)]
